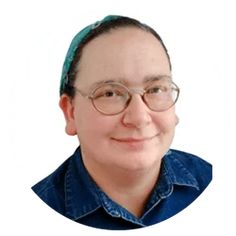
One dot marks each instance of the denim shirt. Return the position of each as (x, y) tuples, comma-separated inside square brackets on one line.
[(71, 191)]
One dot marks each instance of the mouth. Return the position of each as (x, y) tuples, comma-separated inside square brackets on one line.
[(134, 142)]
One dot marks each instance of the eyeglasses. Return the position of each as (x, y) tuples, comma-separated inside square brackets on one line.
[(112, 98)]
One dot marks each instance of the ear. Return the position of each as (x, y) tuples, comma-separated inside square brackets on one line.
[(67, 106), (176, 120)]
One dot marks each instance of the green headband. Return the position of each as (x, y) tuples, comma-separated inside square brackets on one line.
[(74, 45)]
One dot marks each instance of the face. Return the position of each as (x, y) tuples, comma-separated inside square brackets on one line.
[(137, 138)]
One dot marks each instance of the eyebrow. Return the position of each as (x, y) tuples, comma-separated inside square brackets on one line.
[(147, 79), (152, 78)]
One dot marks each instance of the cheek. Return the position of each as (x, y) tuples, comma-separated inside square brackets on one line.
[(166, 121), (91, 125)]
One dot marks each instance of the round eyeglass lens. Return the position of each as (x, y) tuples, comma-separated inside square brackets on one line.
[(161, 95), (110, 98)]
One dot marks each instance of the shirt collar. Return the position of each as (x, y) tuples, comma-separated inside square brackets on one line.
[(83, 196), (177, 172), (80, 190), (173, 172)]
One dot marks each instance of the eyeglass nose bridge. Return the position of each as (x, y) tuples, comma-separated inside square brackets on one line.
[(137, 91), (132, 91)]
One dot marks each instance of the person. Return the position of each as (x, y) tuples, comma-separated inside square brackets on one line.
[(118, 97)]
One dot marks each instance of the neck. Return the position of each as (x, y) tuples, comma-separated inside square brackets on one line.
[(131, 189)]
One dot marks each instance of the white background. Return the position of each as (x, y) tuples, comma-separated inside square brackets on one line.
[(200, 36)]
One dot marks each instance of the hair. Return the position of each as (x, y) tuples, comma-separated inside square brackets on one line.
[(98, 30)]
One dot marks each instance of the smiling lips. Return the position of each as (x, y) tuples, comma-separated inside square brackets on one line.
[(133, 140), (134, 144)]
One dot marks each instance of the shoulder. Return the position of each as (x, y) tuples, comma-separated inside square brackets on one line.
[(189, 158), (196, 166), (51, 188)]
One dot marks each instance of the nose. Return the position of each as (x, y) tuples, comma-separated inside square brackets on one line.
[(137, 114)]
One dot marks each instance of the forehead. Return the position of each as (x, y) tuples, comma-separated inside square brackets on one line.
[(129, 53)]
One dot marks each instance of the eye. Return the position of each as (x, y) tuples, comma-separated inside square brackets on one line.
[(156, 90), (114, 92), (109, 92)]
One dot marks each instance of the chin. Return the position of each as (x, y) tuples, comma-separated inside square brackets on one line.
[(138, 162)]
